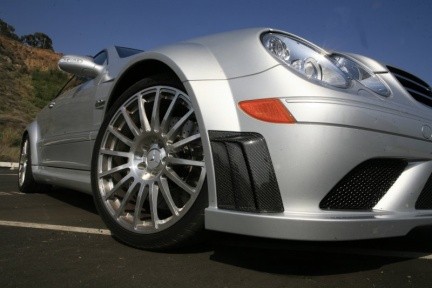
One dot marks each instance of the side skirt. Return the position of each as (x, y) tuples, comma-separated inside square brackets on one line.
[(68, 178)]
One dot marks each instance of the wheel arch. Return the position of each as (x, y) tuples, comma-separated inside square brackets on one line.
[(181, 62), (32, 132), (147, 68)]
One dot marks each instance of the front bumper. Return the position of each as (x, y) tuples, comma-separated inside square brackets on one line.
[(335, 132), (316, 227), (309, 162)]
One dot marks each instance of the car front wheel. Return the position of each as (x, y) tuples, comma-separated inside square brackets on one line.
[(148, 174)]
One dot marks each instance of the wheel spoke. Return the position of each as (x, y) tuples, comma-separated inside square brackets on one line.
[(23, 163), (142, 196), (201, 179), (113, 170), (23, 157), (179, 124), (24, 150), (115, 153), (22, 167), (177, 180), (117, 186), (145, 125), (120, 136), (126, 199), (166, 193), (153, 199), (185, 141), (168, 112), (155, 112), (185, 162), (134, 129)]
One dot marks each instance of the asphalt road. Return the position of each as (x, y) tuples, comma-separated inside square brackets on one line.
[(65, 244)]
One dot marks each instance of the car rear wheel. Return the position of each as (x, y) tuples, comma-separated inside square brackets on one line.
[(26, 182), (148, 174)]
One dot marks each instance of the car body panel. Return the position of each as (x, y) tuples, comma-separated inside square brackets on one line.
[(63, 131), (336, 129)]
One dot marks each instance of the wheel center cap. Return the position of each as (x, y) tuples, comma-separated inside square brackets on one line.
[(155, 158)]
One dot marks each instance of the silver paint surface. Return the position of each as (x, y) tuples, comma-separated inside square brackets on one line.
[(337, 129)]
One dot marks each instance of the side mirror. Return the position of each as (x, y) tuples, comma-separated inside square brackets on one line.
[(80, 66)]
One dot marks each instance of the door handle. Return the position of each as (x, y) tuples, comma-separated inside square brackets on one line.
[(51, 105)]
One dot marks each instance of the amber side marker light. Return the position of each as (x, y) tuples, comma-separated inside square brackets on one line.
[(269, 110)]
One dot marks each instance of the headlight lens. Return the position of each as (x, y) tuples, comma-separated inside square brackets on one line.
[(278, 48), (356, 72), (318, 66)]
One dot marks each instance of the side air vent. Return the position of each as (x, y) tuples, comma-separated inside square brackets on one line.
[(364, 186), (245, 179), (424, 201), (416, 87)]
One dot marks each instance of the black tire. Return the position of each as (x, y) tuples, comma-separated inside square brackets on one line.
[(186, 229), (26, 181)]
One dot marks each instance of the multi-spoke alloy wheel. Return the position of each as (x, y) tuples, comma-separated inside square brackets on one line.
[(149, 166), (23, 163), (26, 182)]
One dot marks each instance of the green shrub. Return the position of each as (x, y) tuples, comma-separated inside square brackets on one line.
[(46, 85)]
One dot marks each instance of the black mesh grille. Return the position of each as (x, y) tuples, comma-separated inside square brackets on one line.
[(364, 186), (425, 199), (416, 87), (245, 179)]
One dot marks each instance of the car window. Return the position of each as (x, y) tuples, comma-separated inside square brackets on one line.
[(124, 52), (101, 58)]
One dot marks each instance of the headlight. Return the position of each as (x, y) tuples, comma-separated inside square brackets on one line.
[(319, 66), (357, 72)]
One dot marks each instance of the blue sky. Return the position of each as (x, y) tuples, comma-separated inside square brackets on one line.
[(397, 32)]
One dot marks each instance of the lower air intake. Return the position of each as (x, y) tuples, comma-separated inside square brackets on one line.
[(364, 186), (424, 202)]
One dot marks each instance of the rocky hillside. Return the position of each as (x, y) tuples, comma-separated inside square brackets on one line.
[(29, 78)]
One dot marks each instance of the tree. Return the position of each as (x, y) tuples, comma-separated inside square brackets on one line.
[(8, 30), (38, 39), (29, 40)]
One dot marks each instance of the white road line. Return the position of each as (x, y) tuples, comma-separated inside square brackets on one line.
[(11, 165), (56, 227), (10, 193)]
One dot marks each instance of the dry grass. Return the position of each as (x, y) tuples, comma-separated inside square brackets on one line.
[(33, 58), (10, 139), (21, 94)]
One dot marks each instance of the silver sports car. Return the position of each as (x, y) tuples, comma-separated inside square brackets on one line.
[(256, 132)]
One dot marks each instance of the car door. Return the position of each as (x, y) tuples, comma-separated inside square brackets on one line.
[(66, 123)]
